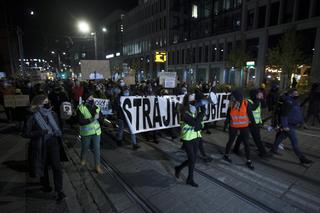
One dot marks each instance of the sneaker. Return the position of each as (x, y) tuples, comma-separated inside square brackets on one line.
[(227, 158), (192, 183), (281, 146), (99, 170), (60, 196), (83, 162), (250, 165), (177, 172), (305, 160), (135, 147)]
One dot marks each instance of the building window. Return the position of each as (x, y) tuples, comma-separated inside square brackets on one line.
[(274, 13), (206, 53), (303, 9), (262, 16), (250, 19), (221, 52), (182, 56), (200, 55), (287, 11), (194, 11), (194, 55), (214, 52), (178, 57)]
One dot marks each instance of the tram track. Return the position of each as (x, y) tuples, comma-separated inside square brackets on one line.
[(132, 194)]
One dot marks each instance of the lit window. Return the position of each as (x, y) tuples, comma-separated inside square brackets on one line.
[(194, 11)]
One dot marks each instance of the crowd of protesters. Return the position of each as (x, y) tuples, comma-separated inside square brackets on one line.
[(44, 122)]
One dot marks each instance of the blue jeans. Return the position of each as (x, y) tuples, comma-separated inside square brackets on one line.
[(121, 124), (94, 141), (291, 134)]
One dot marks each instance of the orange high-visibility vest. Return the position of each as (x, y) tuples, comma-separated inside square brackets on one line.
[(239, 117)]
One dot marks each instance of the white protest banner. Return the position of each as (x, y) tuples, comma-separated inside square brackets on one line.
[(104, 105), (150, 113)]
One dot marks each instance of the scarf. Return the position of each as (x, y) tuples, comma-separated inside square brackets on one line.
[(46, 114)]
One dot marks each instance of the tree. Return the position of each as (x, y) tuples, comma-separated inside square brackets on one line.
[(286, 56), (237, 58)]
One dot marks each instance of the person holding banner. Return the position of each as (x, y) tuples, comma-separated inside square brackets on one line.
[(90, 131), (122, 121), (239, 117), (191, 125)]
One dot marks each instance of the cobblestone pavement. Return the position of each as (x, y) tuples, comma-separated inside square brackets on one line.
[(278, 184)]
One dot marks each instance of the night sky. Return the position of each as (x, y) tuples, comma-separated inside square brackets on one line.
[(57, 17)]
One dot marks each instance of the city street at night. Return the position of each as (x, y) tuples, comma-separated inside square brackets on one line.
[(158, 106)]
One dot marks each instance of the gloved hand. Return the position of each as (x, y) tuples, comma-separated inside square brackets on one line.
[(96, 117)]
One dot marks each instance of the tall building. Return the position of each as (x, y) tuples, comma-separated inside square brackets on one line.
[(199, 36)]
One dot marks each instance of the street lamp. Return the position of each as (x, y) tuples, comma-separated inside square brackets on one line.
[(104, 29), (83, 27), (52, 52)]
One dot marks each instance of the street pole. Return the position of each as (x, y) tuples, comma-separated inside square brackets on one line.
[(21, 52), (95, 46)]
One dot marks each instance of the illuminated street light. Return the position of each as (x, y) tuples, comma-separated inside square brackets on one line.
[(64, 53), (92, 33), (104, 29), (83, 27), (52, 52), (31, 12)]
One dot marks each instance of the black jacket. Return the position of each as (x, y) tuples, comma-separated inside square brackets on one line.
[(37, 147)]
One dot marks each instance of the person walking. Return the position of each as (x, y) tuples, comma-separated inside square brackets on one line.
[(45, 148), (313, 101), (290, 118), (122, 123), (191, 125), (255, 102), (90, 131), (239, 117)]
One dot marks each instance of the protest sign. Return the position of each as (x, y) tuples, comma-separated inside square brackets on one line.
[(104, 105), (168, 79), (16, 101), (150, 113)]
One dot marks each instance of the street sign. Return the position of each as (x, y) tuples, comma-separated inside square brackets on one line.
[(160, 57)]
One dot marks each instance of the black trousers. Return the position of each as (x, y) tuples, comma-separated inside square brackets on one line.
[(244, 134), (53, 160), (191, 148), (255, 132), (201, 148)]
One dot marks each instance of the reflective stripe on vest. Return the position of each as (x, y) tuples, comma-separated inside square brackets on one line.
[(90, 129), (239, 117), (256, 113), (188, 133)]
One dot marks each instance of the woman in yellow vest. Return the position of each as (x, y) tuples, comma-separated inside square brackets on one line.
[(90, 131), (239, 117), (191, 125)]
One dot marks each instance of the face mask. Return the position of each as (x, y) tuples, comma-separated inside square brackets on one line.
[(116, 91), (192, 109), (126, 94), (47, 106), (122, 84)]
